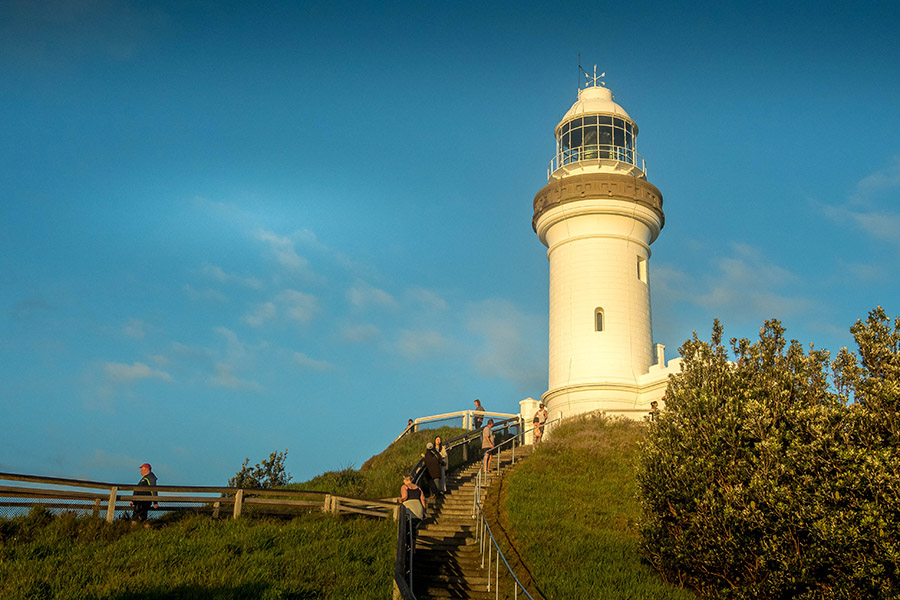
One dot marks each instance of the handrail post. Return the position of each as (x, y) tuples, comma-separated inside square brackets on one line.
[(238, 500), (111, 507)]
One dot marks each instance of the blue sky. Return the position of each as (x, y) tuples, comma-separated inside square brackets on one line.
[(233, 228)]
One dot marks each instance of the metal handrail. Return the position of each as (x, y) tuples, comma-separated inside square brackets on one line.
[(403, 563), (482, 526), (467, 417), (600, 154)]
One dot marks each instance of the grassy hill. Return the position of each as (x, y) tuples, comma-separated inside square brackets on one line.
[(570, 509), (192, 557)]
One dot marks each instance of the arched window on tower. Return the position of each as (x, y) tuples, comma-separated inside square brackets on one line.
[(599, 322)]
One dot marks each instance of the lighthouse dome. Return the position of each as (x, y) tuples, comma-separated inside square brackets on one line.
[(595, 99)]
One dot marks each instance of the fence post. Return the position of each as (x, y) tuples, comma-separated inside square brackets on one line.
[(465, 452), (326, 506), (96, 512), (396, 512), (216, 506), (111, 508), (238, 499)]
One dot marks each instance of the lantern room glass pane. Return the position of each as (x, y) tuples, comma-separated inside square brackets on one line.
[(605, 136), (576, 137)]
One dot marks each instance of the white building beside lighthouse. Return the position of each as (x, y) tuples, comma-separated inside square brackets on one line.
[(598, 216)]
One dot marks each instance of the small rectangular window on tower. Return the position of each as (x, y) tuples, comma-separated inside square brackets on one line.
[(642, 268), (598, 319)]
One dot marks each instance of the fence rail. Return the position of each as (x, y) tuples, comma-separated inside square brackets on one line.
[(465, 418), (113, 498)]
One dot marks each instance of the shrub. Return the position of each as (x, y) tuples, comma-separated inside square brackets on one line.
[(270, 474), (761, 481)]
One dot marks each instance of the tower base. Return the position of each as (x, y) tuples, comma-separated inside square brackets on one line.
[(629, 399)]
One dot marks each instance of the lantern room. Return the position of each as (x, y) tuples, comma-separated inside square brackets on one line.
[(596, 136)]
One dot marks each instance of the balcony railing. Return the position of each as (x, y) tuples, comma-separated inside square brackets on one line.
[(618, 157)]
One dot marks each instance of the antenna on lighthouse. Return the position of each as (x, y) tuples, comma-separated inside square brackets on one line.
[(580, 71)]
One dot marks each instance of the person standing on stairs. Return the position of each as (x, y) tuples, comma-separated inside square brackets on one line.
[(433, 466), (487, 444), (477, 418), (540, 417), (412, 498), (442, 452)]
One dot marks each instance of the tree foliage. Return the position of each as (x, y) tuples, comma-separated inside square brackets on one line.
[(776, 474), (270, 474)]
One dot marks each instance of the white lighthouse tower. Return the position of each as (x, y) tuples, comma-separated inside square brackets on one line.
[(597, 216)]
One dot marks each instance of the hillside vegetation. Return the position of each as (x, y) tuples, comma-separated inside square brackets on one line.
[(316, 556), (774, 471), (190, 557), (572, 512), (382, 475)]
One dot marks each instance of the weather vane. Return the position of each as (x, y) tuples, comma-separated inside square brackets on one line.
[(596, 78)]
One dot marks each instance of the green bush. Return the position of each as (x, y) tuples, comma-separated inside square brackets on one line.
[(268, 475), (762, 479)]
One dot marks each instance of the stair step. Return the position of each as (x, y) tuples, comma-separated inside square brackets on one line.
[(448, 561)]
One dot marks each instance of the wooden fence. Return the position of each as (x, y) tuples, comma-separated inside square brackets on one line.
[(55, 493)]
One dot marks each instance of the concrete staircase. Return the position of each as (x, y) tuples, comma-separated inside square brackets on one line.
[(447, 562)]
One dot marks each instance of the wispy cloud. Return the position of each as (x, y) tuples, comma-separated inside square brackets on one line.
[(206, 295), (282, 247), (29, 306), (297, 306), (262, 313), (743, 284), (288, 304), (508, 346), (134, 329), (216, 273), (363, 295), (226, 378), (124, 373), (308, 362), (360, 332), (871, 206), (416, 345), (426, 299)]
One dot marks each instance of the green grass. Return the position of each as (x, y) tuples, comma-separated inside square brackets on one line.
[(382, 475), (571, 510), (184, 556), (315, 556)]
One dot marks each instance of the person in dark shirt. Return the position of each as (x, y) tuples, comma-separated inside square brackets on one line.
[(477, 419), (148, 479), (433, 465)]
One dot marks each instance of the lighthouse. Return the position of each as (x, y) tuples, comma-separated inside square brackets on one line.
[(598, 216)]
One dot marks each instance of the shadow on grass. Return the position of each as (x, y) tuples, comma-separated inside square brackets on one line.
[(224, 592)]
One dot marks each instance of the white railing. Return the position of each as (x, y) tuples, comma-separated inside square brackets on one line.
[(600, 155), (465, 418)]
